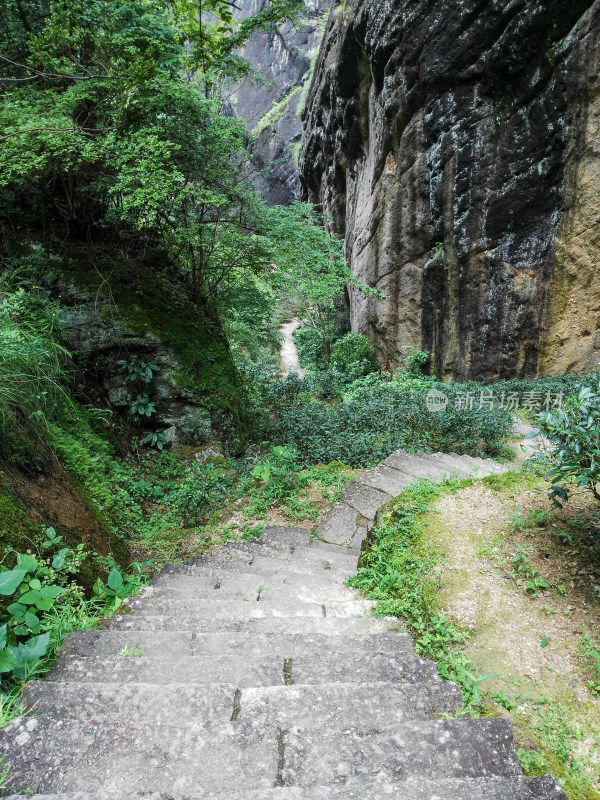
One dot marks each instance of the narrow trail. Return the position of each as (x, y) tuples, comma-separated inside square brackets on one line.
[(258, 674), (290, 361)]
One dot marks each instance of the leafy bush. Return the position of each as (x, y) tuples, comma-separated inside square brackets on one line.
[(574, 431), (383, 416), (352, 355), (311, 348)]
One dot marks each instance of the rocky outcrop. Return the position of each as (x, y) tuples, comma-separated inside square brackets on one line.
[(284, 61), (456, 146), (121, 312)]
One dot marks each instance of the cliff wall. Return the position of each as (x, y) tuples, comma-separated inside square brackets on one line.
[(283, 61), (456, 146)]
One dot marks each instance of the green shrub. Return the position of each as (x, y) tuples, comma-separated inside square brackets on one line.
[(352, 355), (311, 348), (380, 417), (574, 432)]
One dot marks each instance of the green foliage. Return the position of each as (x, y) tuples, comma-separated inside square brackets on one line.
[(397, 571), (117, 587), (138, 371), (574, 432), (154, 439), (415, 360), (33, 369), (36, 594), (378, 417), (141, 407), (352, 355)]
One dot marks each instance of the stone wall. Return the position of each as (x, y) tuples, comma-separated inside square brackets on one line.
[(456, 146)]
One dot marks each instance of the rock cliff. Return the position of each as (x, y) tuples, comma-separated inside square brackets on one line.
[(456, 146), (284, 60)]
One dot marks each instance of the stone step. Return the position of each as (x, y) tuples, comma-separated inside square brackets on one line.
[(278, 536), (48, 754), (448, 466), (365, 499), (227, 645), (340, 704), (417, 466), (387, 480), (225, 607), (294, 554), (325, 547), (343, 705), (484, 466), (223, 583), (329, 626), (340, 566), (249, 666), (339, 525), (261, 590), (490, 788), (463, 748)]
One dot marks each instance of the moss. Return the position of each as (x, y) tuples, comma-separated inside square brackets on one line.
[(16, 527)]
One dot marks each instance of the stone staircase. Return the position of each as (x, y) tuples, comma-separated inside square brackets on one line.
[(253, 673)]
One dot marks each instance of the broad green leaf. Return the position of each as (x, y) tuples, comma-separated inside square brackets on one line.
[(58, 562), (11, 580), (7, 660), (3, 630), (34, 649), (31, 597), (17, 609), (31, 620), (45, 603), (115, 579), (50, 591), (26, 562), (35, 584)]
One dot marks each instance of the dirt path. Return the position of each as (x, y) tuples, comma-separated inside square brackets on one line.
[(289, 352)]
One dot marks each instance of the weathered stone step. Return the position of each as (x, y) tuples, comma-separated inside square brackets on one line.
[(365, 499), (310, 562), (463, 748), (226, 645), (247, 609), (422, 467), (448, 466), (345, 705), (305, 555), (249, 666), (278, 536), (385, 479), (260, 590), (330, 626), (339, 525), (223, 583), (491, 788), (48, 755), (340, 704), (484, 466), (45, 754), (326, 547)]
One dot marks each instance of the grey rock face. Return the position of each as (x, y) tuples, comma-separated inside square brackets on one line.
[(273, 109), (255, 673), (455, 146)]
